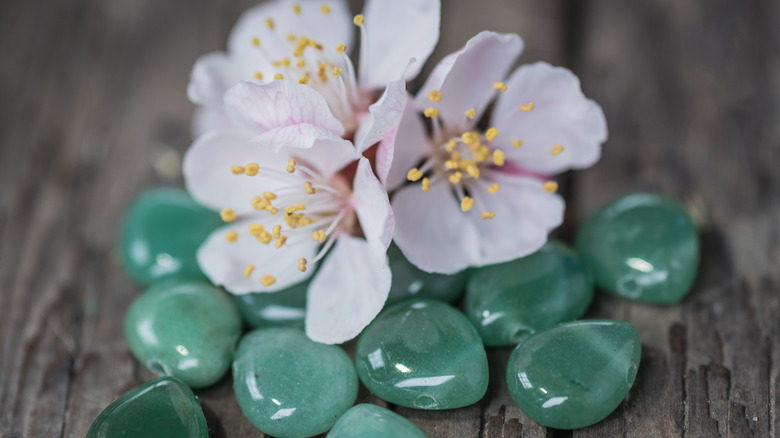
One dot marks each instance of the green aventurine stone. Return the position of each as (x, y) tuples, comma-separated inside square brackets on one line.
[(186, 329), (289, 386), (509, 301), (575, 374), (411, 282), (642, 246), (163, 407), (161, 233), (286, 308), (371, 421), (423, 354)]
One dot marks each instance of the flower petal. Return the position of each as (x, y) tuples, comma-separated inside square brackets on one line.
[(327, 157), (207, 118), (224, 262), (562, 115), (465, 78), (212, 75), (397, 31), (372, 206), (383, 117), (348, 291), (411, 146), (283, 113)]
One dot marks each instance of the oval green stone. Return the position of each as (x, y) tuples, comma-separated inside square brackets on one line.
[(423, 354), (162, 407), (411, 282), (509, 301), (185, 329), (642, 246), (372, 421), (161, 233), (575, 374), (285, 308), (289, 386)]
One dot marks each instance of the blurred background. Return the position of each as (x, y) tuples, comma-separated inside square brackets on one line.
[(93, 110)]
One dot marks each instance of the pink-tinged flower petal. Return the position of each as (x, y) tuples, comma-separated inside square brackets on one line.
[(410, 147), (397, 31), (372, 206), (562, 115), (284, 114), (212, 75), (207, 170), (224, 262), (207, 118), (348, 291), (383, 117), (327, 157), (432, 231), (465, 78)]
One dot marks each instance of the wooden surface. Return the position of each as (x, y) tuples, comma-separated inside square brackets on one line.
[(92, 98)]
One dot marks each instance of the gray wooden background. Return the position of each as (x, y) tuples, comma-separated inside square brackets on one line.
[(93, 110)]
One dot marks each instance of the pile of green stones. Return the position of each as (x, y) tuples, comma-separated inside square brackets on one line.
[(420, 352)]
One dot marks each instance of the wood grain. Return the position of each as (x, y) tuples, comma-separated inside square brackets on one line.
[(93, 91)]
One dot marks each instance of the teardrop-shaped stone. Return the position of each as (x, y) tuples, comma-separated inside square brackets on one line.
[(642, 246), (509, 301), (161, 233), (186, 329), (162, 407), (285, 308), (575, 374), (411, 282), (423, 354), (372, 421), (289, 386)]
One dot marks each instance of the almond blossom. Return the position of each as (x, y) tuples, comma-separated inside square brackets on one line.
[(475, 197)]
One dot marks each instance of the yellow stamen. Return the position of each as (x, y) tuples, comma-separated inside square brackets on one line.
[(472, 169), (291, 37), (278, 76), (426, 185), (302, 264), (309, 187), (291, 166), (517, 143), (414, 174), (300, 63), (341, 48), (491, 134), (466, 203), (498, 157), (358, 20), (550, 187), (482, 153), (285, 62), (556, 150), (319, 236), (231, 236), (493, 188), (500, 86), (277, 231), (451, 164), (270, 23), (471, 113), (268, 280), (456, 177), (434, 96), (248, 270), (264, 238), (527, 107), (336, 71), (228, 215), (237, 170), (258, 76), (280, 242), (252, 169), (303, 80), (488, 215), (431, 112), (325, 9), (255, 41), (271, 209), (451, 145), (255, 230), (470, 138), (297, 9)]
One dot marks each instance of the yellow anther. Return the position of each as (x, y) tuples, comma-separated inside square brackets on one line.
[(550, 187), (517, 143), (256, 200), (300, 63), (228, 215), (426, 184), (285, 62), (231, 236), (434, 96), (557, 149), (451, 164), (255, 230), (302, 264), (297, 9), (264, 237), (341, 48), (498, 157), (291, 166), (309, 187), (270, 23), (280, 241), (248, 270), (302, 268), (278, 76), (358, 20), (251, 169), (336, 71), (488, 215), (271, 209), (470, 138), (237, 170), (482, 153), (493, 188), (456, 177), (277, 231), (472, 169), (255, 41), (491, 134), (291, 37), (471, 113), (303, 80), (319, 236), (527, 107), (431, 112), (258, 76), (500, 86), (414, 174), (267, 280), (259, 205), (451, 145), (325, 9), (466, 203)]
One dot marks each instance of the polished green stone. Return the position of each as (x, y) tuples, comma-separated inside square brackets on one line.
[(509, 301), (423, 354), (371, 421), (163, 407), (289, 386), (411, 282), (642, 246), (285, 308), (186, 329), (575, 374), (161, 233)]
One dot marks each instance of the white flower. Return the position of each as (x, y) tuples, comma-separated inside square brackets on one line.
[(484, 197)]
